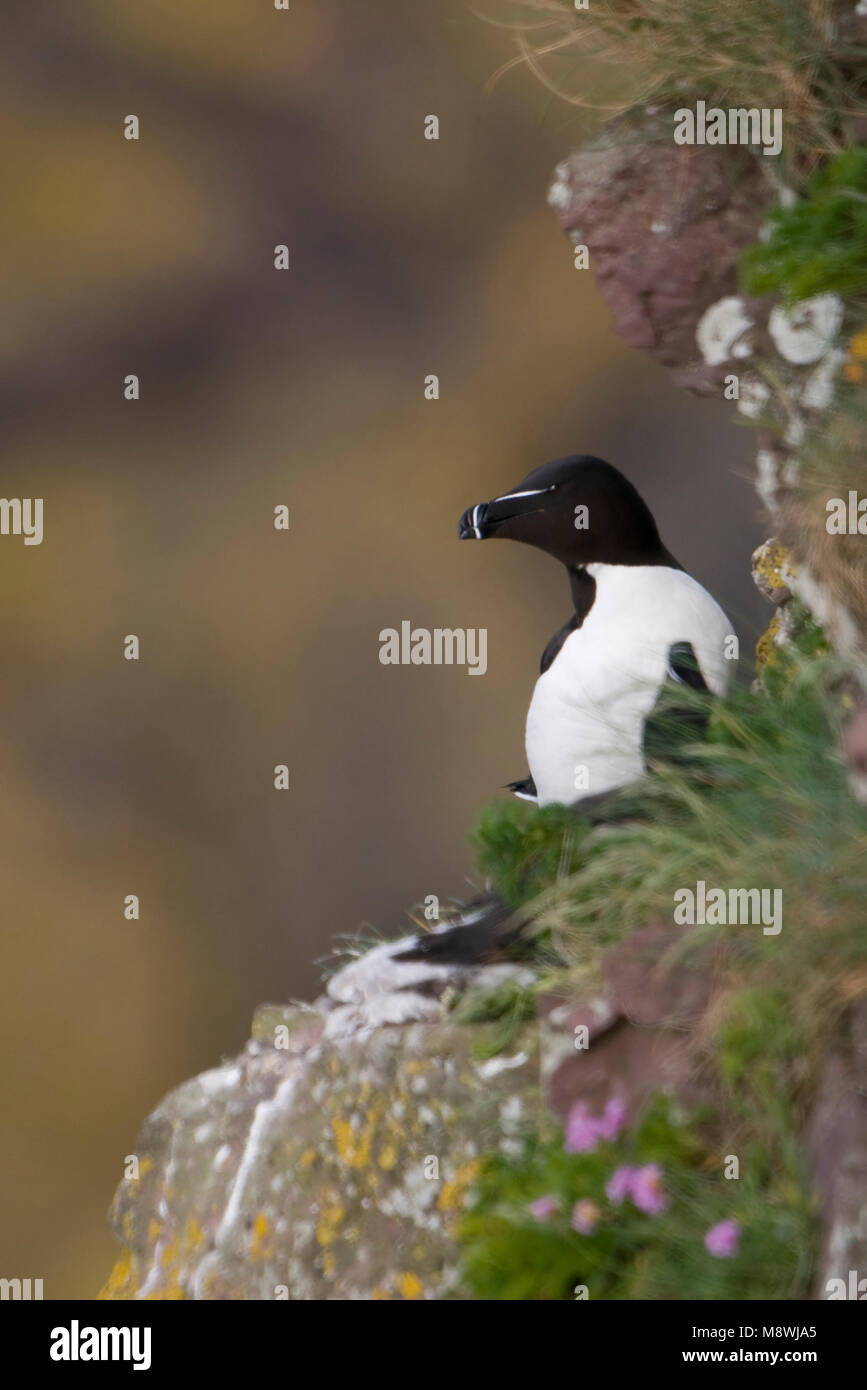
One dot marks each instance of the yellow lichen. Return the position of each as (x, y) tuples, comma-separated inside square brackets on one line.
[(410, 1286), (353, 1147), (122, 1283), (168, 1293), (853, 371), (388, 1157), (773, 564), (767, 650), (329, 1220), (260, 1230), (858, 344), (452, 1195)]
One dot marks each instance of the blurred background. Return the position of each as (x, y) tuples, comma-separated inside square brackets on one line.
[(261, 647)]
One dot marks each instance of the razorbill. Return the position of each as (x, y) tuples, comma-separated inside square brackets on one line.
[(640, 625)]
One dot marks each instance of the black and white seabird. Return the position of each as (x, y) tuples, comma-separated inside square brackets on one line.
[(639, 624), (606, 702)]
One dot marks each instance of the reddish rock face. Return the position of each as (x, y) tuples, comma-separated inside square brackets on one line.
[(837, 1149), (664, 225), (855, 742), (639, 1031)]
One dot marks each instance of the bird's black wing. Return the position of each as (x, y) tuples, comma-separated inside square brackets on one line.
[(676, 721), (583, 588), (553, 648), (488, 930)]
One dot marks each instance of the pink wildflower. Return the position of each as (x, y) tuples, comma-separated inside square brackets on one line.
[(722, 1239), (619, 1185), (582, 1131), (647, 1192), (544, 1208), (613, 1117), (585, 1215)]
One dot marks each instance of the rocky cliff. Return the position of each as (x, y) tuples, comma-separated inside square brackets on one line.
[(632, 1111)]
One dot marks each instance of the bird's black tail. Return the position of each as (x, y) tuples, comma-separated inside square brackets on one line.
[(488, 930)]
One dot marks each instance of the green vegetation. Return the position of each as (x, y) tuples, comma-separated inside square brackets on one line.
[(501, 1012), (819, 244), (515, 1251), (524, 848), (764, 802)]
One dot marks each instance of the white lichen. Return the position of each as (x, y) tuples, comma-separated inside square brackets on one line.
[(818, 392), (379, 990), (794, 433), (767, 482), (559, 196), (218, 1079), (495, 1065), (754, 396), (806, 332), (511, 1112), (723, 331)]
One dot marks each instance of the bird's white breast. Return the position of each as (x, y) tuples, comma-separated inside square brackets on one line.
[(585, 724)]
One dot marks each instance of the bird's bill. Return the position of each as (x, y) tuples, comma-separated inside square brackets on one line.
[(488, 519)]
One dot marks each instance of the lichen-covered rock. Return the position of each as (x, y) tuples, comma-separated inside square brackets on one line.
[(772, 573), (331, 1159)]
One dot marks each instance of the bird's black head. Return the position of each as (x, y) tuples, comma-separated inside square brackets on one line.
[(578, 509)]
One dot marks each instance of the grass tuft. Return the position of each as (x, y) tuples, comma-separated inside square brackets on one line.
[(622, 55)]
